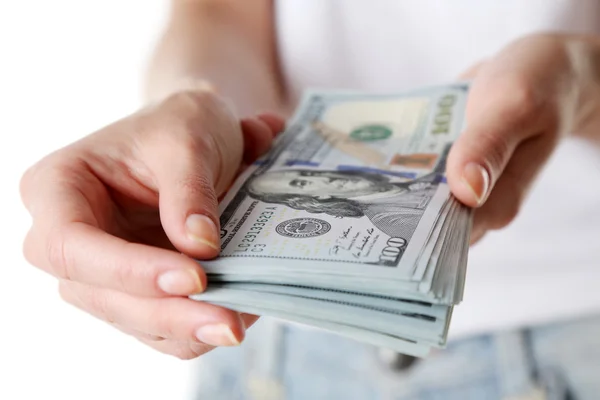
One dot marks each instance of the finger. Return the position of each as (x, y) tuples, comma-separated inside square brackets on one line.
[(193, 163), (137, 334), (170, 318), (75, 301), (515, 96), (85, 254), (275, 122), (511, 189), (69, 240), (180, 349), (258, 137)]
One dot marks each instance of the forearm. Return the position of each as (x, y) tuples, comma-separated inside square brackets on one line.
[(227, 44)]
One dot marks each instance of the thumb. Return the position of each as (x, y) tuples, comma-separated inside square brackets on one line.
[(194, 164), (501, 114), (259, 133), (512, 102), (193, 160)]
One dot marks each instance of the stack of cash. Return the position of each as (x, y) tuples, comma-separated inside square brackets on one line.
[(348, 224)]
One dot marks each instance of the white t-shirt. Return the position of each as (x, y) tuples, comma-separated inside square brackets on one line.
[(546, 265)]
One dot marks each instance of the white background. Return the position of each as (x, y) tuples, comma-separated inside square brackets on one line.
[(67, 68)]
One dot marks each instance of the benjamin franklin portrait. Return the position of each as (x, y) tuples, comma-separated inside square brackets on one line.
[(395, 208)]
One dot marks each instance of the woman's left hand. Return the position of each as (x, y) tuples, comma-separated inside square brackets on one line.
[(522, 102)]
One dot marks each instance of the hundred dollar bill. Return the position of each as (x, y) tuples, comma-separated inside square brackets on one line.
[(401, 345), (409, 134), (219, 292), (409, 325), (354, 187)]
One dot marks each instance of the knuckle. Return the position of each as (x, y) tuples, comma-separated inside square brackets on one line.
[(191, 100), (192, 110), (162, 323), (185, 130), (57, 256), (198, 185), (196, 111), (154, 338), (125, 277), (26, 182), (28, 248), (497, 148), (515, 100), (524, 102), (190, 147), (66, 293), (199, 128), (99, 304)]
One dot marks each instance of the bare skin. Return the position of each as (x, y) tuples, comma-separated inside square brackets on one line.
[(113, 212)]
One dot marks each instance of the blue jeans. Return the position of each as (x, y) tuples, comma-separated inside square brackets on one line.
[(281, 361)]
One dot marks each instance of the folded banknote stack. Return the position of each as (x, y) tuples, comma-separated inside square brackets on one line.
[(348, 224)]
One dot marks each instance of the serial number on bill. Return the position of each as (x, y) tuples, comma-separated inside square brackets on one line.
[(247, 242)]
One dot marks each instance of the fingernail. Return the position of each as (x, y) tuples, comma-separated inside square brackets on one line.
[(180, 282), (217, 335), (201, 229), (477, 179)]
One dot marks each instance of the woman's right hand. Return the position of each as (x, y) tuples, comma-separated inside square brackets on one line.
[(113, 213)]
